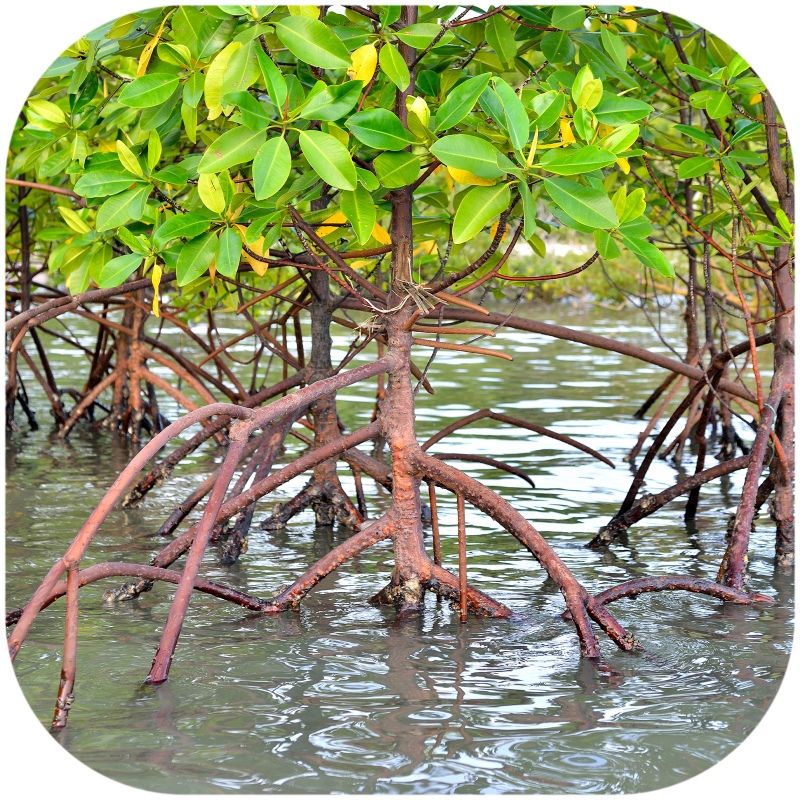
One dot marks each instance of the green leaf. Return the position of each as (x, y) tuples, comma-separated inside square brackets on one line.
[(576, 162), (271, 167), (557, 47), (273, 80), (516, 118), (394, 65), (128, 159), (114, 272), (605, 245), (119, 209), (379, 128), (254, 115), (783, 221), (48, 111), (649, 255), (694, 167), (236, 146), (229, 252), (153, 150), (210, 191), (422, 34), (500, 38), (529, 211), (549, 107), (149, 90), (174, 174), (313, 42), (615, 47), (613, 110), (329, 158), (718, 105), (360, 211), (635, 206), (621, 139), (181, 226), (585, 204), (397, 169), (193, 89), (481, 204), (699, 135), (333, 102), (367, 179), (195, 258), (568, 18), (462, 151), (133, 242), (103, 183), (460, 102), (242, 70)]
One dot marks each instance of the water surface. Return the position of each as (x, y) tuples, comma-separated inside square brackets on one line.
[(342, 697)]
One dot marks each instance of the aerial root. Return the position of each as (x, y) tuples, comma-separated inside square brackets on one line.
[(113, 569), (637, 586)]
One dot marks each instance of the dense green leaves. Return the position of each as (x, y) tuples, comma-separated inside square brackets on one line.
[(480, 205), (329, 158), (313, 42)]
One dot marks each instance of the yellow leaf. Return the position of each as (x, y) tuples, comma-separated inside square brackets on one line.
[(427, 247), (365, 59), (73, 220), (462, 176), (212, 271), (493, 230), (304, 11), (214, 77), (107, 146), (381, 234), (420, 109), (623, 164), (534, 145), (362, 262), (604, 130), (567, 136), (630, 24), (331, 224), (756, 98), (144, 58), (156, 278), (259, 267)]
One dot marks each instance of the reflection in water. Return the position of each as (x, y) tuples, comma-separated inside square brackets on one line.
[(341, 696)]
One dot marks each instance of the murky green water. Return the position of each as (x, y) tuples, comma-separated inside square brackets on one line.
[(341, 697)]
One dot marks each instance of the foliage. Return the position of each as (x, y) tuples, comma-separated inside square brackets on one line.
[(190, 131)]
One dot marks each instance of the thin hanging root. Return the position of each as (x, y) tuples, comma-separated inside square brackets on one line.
[(444, 584), (462, 558), (492, 462), (485, 413), (68, 665), (437, 544), (490, 503)]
